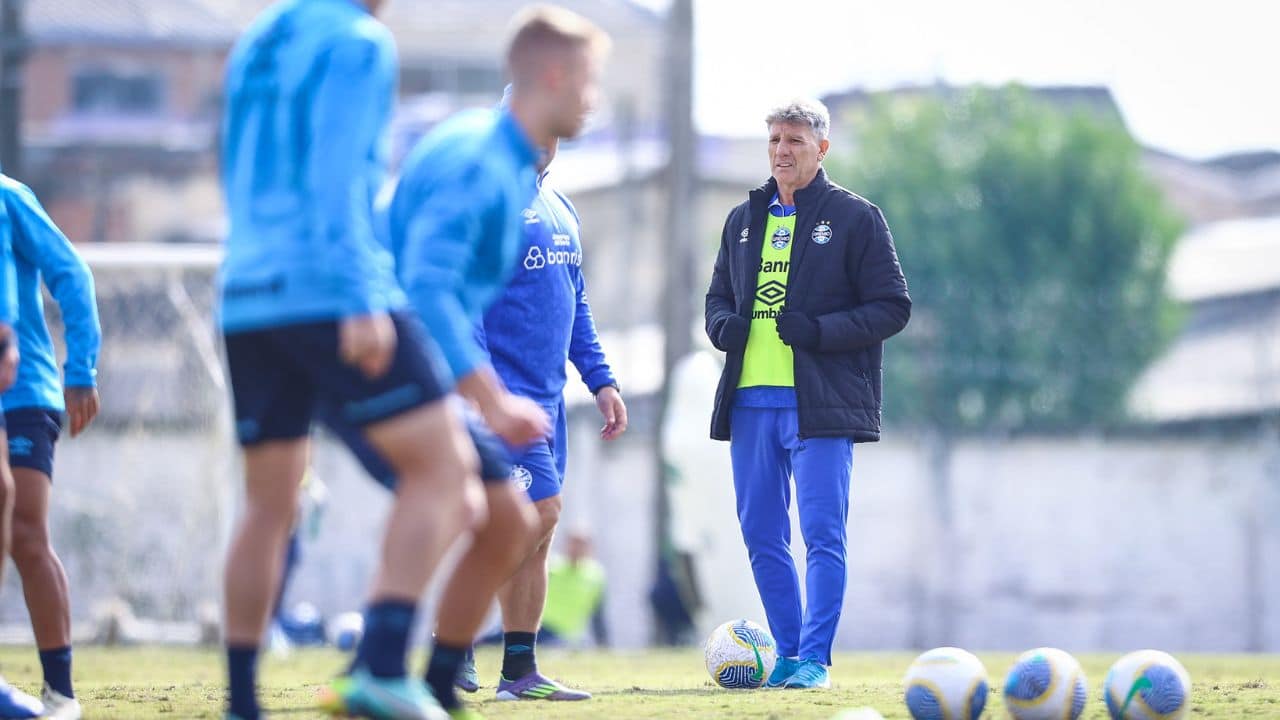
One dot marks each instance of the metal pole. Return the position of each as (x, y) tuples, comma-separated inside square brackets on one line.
[(681, 229)]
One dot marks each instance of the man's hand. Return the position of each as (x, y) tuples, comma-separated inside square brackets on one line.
[(517, 420), (8, 357), (82, 407), (798, 330), (613, 410), (367, 342)]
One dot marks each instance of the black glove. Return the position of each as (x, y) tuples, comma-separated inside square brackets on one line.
[(733, 334), (798, 330)]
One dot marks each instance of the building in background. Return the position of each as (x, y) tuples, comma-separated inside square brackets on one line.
[(122, 99)]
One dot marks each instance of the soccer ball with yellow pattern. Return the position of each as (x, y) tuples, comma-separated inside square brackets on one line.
[(740, 655), (946, 683)]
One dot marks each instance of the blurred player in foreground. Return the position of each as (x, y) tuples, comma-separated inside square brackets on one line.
[(456, 229), (33, 412), (311, 312), (542, 321)]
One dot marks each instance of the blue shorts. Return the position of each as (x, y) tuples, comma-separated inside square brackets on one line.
[(33, 433), (281, 375), (495, 462), (539, 468)]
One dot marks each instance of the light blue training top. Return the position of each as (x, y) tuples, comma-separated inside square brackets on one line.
[(455, 226), (310, 88), (42, 253)]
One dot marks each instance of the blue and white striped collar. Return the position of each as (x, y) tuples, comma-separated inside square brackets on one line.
[(777, 209)]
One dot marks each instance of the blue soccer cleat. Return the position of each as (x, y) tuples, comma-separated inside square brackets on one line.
[(363, 695), (17, 705), (468, 678), (810, 676), (782, 671)]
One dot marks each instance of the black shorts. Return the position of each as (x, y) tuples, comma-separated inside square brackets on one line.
[(281, 375), (495, 461), (33, 433)]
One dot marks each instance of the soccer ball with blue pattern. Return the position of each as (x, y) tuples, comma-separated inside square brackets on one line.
[(1147, 685), (1045, 684), (946, 683), (740, 655)]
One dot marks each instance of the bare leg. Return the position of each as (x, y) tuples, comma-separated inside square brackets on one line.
[(432, 456), (273, 472), (6, 500), (496, 551), (524, 595), (44, 582)]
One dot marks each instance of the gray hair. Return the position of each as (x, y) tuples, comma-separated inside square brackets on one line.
[(802, 112)]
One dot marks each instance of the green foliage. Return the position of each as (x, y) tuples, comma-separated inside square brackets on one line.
[(1035, 248)]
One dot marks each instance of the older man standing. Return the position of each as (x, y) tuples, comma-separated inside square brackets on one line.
[(806, 288)]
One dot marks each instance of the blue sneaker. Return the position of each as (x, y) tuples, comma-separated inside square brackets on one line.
[(811, 675), (363, 695), (783, 669), (468, 679), (17, 705)]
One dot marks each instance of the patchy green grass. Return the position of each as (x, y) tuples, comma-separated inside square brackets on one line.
[(147, 683)]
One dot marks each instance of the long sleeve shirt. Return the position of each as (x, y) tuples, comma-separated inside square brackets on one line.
[(310, 87), (41, 253)]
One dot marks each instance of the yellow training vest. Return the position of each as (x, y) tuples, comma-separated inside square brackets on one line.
[(768, 361)]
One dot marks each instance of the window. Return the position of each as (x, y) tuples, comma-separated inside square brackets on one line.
[(117, 92)]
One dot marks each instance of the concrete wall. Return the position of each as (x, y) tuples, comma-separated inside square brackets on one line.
[(1083, 543)]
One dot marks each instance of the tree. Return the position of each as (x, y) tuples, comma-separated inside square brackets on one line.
[(1035, 248)]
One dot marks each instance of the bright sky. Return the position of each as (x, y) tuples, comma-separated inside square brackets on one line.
[(1195, 78)]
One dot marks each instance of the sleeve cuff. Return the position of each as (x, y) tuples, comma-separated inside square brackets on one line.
[(77, 377)]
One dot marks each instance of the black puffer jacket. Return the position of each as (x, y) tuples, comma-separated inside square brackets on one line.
[(845, 274)]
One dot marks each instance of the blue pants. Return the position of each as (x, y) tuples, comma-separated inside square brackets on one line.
[(767, 450)]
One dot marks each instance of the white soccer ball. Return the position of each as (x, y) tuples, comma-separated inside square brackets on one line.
[(345, 630), (1146, 685), (1046, 684), (946, 683), (740, 655)]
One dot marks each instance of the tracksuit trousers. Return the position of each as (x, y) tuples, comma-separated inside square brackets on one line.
[(766, 451)]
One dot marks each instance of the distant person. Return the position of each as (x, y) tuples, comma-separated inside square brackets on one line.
[(805, 290), (575, 595), (13, 702), (311, 312), (34, 410)]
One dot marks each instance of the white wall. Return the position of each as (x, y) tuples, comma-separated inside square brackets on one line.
[(1084, 543)]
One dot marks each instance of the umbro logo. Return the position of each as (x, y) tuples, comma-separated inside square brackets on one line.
[(771, 293)]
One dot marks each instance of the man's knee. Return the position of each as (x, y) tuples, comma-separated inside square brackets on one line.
[(548, 516), (823, 534), (30, 543)]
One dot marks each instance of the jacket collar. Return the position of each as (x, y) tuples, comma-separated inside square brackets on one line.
[(762, 195)]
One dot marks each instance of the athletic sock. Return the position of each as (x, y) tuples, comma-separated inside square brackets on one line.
[(517, 655), (386, 637), (57, 670), (242, 670), (442, 669)]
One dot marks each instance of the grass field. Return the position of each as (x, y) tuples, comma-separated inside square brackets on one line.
[(144, 683)]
